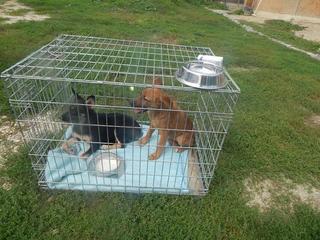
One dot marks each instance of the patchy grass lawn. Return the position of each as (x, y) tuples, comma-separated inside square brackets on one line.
[(284, 31), (215, 5), (269, 138), (2, 20), (19, 12)]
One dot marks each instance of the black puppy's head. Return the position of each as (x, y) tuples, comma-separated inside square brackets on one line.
[(78, 110)]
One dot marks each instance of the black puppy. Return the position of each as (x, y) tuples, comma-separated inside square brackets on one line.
[(107, 131)]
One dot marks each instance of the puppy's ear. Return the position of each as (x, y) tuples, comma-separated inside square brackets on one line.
[(166, 102), (157, 81), (91, 101)]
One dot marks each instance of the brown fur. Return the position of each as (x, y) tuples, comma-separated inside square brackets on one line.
[(166, 116)]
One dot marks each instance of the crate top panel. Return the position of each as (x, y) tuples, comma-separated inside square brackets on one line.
[(109, 61)]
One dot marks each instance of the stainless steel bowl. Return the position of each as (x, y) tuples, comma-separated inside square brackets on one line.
[(201, 74)]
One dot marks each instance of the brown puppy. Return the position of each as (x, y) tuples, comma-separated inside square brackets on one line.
[(166, 116)]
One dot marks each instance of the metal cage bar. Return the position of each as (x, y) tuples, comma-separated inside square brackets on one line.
[(117, 71)]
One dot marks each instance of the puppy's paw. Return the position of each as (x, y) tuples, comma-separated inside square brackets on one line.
[(68, 149), (72, 151), (143, 141), (180, 149), (113, 146), (104, 147), (153, 156), (84, 155)]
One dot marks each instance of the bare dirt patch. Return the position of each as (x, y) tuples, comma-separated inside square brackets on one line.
[(12, 11), (8, 132), (313, 121), (282, 195), (252, 18), (164, 39), (311, 31), (11, 136), (5, 183)]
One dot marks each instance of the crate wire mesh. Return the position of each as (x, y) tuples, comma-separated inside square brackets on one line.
[(115, 71)]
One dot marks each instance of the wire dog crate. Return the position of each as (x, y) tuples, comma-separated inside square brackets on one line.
[(40, 88)]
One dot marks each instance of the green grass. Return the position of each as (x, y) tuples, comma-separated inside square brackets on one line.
[(238, 12), (284, 31), (2, 20), (19, 12), (268, 138), (215, 4)]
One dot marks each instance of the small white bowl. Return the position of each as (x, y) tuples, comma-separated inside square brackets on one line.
[(106, 164)]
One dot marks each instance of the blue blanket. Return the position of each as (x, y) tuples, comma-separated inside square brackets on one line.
[(167, 174)]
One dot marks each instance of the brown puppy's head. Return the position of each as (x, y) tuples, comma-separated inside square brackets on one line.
[(152, 98)]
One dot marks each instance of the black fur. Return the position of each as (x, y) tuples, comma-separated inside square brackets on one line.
[(101, 128)]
